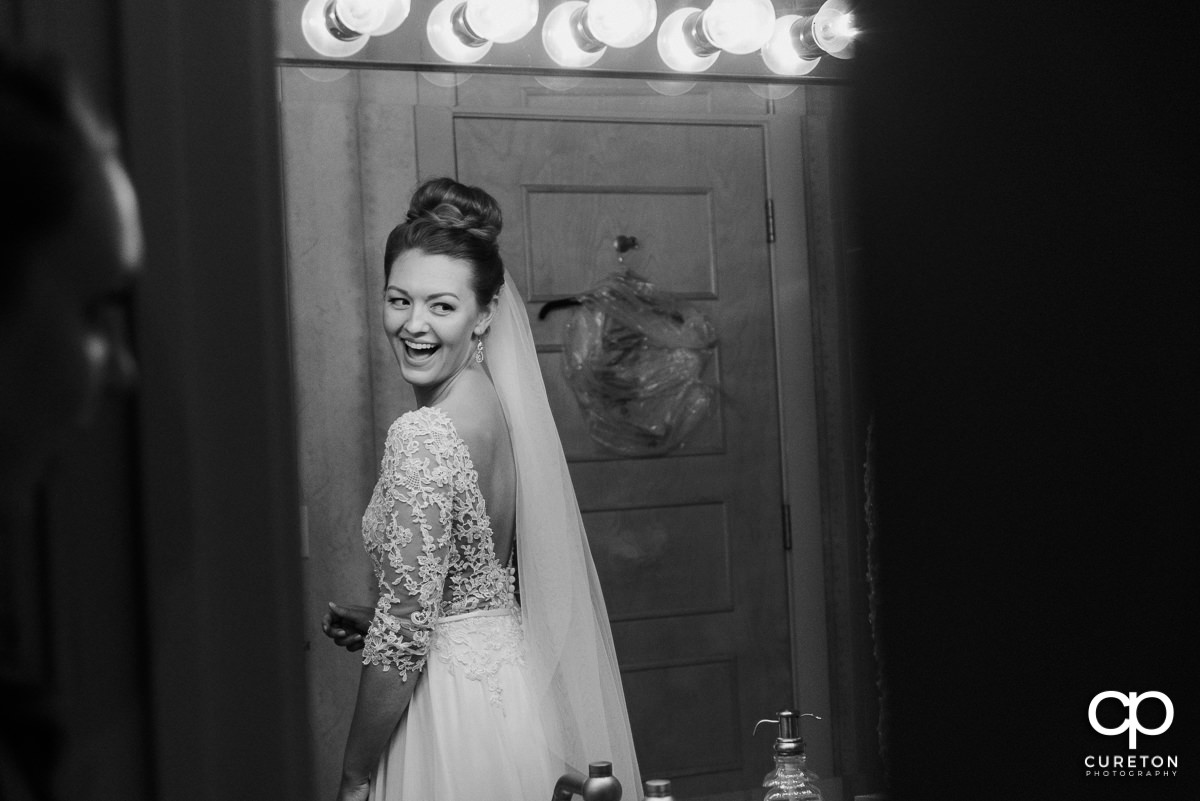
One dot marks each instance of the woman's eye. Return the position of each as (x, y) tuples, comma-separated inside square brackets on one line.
[(443, 308), (398, 302)]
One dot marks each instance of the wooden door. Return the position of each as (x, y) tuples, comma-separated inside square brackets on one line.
[(689, 546)]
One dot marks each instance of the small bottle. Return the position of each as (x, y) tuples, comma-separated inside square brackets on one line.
[(600, 784), (659, 789), (790, 780)]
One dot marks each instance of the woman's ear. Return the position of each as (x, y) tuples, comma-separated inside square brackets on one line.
[(485, 318)]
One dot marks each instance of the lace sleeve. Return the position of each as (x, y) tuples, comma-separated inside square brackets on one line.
[(407, 533)]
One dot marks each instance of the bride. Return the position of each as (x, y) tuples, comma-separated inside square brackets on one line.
[(488, 665)]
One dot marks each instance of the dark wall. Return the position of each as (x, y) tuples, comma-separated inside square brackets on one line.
[(1026, 192)]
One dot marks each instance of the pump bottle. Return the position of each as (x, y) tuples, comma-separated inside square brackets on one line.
[(790, 780)]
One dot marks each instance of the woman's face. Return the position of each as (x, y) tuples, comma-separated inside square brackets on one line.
[(67, 341), (431, 315)]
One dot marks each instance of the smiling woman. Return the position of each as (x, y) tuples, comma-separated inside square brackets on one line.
[(443, 273), (453, 663), (433, 321)]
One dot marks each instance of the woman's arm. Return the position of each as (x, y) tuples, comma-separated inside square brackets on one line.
[(392, 666), (407, 530), (383, 697)]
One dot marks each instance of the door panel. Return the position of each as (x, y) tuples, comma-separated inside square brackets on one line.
[(681, 547), (569, 231), (688, 545)]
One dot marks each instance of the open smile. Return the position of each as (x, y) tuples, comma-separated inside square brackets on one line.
[(418, 351)]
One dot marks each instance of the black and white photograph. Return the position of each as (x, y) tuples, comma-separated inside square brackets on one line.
[(500, 400)]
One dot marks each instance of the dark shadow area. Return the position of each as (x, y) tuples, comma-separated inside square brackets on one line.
[(1027, 188)]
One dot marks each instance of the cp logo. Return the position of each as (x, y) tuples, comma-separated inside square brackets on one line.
[(1131, 723)]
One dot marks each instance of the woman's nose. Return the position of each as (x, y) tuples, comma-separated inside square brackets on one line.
[(417, 322)]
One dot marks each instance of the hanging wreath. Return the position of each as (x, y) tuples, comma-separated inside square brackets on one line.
[(634, 359)]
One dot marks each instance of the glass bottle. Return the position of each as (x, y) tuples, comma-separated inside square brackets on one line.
[(659, 789), (791, 780)]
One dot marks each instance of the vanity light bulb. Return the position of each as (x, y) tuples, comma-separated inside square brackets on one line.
[(833, 29), (445, 40), (780, 54), (675, 45), (397, 12), (739, 26), (621, 23), (502, 20), (558, 37), (315, 26), (364, 16)]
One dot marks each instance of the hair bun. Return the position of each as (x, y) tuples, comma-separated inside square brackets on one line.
[(449, 204), (446, 218)]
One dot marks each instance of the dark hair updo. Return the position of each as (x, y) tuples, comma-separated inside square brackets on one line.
[(44, 151), (446, 218)]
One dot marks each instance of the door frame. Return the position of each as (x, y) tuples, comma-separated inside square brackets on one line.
[(819, 160)]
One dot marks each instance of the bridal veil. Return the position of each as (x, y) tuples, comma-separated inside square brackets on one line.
[(569, 646)]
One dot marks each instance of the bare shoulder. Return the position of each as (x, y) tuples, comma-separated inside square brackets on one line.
[(478, 418)]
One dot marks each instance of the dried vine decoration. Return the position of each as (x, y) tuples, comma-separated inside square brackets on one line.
[(634, 357)]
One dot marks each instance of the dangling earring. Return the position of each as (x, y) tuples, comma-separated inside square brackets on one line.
[(479, 351)]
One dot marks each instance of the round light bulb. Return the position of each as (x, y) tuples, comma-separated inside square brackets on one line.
[(502, 20), (317, 34), (739, 26), (621, 23), (363, 16), (779, 53), (440, 30), (396, 14), (833, 29), (674, 45), (558, 37)]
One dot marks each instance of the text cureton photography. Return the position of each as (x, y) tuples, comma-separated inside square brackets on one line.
[(1131, 764)]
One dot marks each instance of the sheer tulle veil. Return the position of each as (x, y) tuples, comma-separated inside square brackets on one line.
[(568, 639)]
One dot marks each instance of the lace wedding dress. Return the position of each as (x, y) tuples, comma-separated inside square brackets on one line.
[(447, 609), (510, 696)]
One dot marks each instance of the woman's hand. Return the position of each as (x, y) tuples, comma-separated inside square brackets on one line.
[(347, 625), (352, 790)]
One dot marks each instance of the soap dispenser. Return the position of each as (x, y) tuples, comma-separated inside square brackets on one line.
[(790, 780)]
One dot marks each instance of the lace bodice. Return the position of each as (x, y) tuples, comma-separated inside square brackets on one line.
[(429, 537)]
